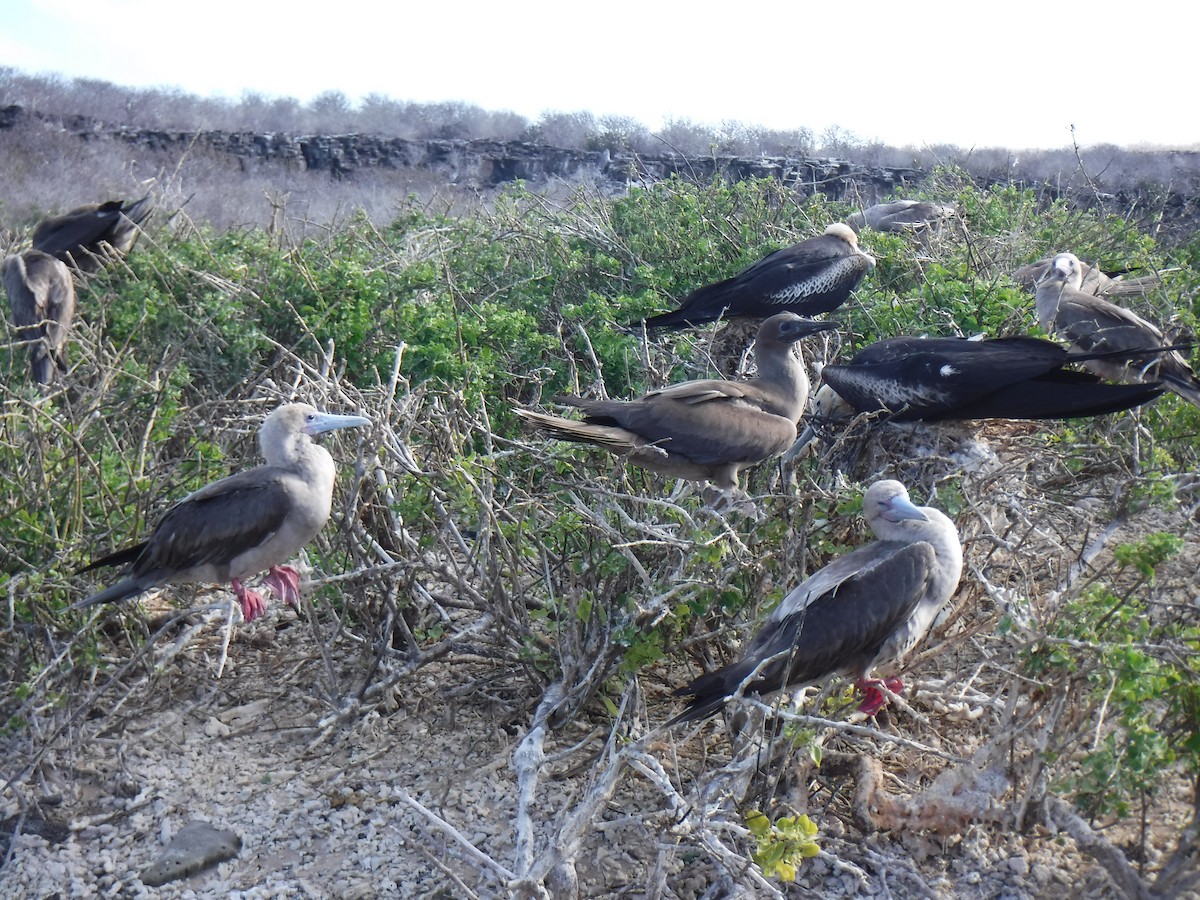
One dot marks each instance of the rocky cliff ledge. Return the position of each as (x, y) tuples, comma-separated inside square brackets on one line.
[(486, 163), (1159, 190)]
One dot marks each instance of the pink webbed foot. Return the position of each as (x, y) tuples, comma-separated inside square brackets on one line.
[(284, 582), (252, 602), (873, 698)]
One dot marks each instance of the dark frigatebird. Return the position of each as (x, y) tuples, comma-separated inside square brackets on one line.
[(812, 277), (90, 236), (898, 216), (41, 296), (923, 379)]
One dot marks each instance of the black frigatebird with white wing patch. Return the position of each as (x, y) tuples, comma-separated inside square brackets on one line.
[(923, 379)]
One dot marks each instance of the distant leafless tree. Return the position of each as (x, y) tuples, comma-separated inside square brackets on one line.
[(571, 130), (837, 141), (330, 113), (688, 137)]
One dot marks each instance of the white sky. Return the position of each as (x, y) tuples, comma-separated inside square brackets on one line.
[(1014, 74)]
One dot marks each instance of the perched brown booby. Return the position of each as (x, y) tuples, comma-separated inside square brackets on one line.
[(1093, 280), (703, 430), (89, 236), (238, 526), (41, 296), (811, 277), (1093, 324), (921, 379), (901, 215), (863, 611)]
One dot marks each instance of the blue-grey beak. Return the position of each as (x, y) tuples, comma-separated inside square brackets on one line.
[(323, 422), (900, 508)]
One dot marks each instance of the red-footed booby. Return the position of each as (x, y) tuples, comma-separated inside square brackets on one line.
[(705, 430), (1093, 324), (1092, 279), (899, 216), (89, 236), (41, 296), (864, 611), (811, 277), (238, 526), (920, 379)]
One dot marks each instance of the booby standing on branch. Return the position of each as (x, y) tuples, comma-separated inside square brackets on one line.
[(238, 526), (703, 430), (89, 236), (41, 296), (1093, 324), (917, 379), (811, 277), (863, 611)]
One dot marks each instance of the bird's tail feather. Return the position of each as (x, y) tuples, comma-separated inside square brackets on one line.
[(613, 438), (122, 590), (1185, 385), (42, 364), (709, 692), (120, 558)]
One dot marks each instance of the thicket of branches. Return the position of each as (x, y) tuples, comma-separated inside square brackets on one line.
[(579, 592)]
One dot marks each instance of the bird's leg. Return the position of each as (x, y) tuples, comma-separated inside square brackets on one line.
[(284, 581), (252, 602), (873, 698), (724, 499)]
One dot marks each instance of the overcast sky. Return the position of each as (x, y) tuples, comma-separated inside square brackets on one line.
[(1014, 74)]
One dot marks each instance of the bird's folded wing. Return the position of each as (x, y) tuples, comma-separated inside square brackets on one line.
[(218, 522), (844, 613)]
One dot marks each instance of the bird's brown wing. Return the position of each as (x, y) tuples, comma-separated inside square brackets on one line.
[(217, 523), (706, 422), (1095, 324), (835, 621)]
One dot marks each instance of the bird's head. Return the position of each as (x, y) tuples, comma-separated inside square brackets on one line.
[(888, 500), (843, 231), (787, 328), (1066, 269), (286, 423)]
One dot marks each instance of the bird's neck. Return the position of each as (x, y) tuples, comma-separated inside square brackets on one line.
[(308, 459), (939, 532), (1046, 301), (783, 375)]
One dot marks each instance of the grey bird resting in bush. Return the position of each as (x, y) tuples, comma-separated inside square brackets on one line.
[(919, 379), (864, 611), (705, 430), (811, 277), (1092, 279), (902, 215), (90, 236), (41, 297), (244, 524), (1093, 324)]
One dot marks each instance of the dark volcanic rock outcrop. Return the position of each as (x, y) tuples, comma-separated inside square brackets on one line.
[(1160, 190), (487, 163)]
